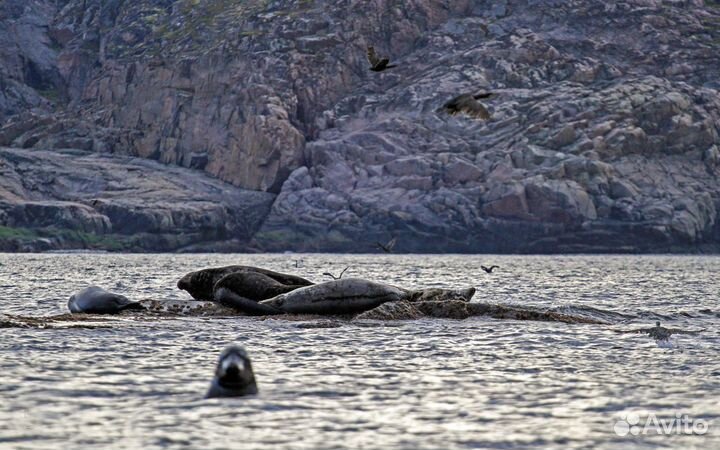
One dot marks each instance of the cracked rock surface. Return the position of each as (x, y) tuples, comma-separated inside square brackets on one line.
[(604, 133)]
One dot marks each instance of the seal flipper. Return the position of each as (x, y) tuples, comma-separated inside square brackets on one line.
[(228, 298)]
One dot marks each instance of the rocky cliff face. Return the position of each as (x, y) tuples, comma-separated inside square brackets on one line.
[(603, 137), (70, 198)]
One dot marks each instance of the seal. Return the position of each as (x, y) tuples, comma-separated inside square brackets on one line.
[(234, 376), (201, 284), (344, 296), (96, 300), (254, 285), (226, 297), (243, 290)]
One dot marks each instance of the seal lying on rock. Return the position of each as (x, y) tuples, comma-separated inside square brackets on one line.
[(349, 295), (234, 376), (254, 285), (201, 284), (228, 298), (243, 290), (96, 300)]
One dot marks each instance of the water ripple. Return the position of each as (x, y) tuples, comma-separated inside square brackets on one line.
[(476, 383)]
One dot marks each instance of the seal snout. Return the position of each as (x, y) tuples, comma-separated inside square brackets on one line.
[(232, 367), (183, 283)]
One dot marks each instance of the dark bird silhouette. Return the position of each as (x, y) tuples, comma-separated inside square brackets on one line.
[(659, 333), (333, 276), (387, 248), (376, 63), (468, 104), (489, 269)]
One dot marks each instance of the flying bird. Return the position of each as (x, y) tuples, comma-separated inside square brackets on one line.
[(489, 269), (387, 248), (468, 104), (376, 63), (333, 276)]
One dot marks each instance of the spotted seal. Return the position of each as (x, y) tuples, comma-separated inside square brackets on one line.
[(344, 296)]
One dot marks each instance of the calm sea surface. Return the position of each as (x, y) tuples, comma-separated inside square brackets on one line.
[(433, 383)]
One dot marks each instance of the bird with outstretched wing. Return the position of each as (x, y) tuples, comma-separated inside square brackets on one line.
[(387, 248), (377, 64), (489, 269), (329, 274), (468, 104)]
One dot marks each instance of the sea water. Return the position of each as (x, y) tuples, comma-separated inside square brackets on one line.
[(419, 384)]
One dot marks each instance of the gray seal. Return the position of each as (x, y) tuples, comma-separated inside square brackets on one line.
[(201, 284), (344, 296), (234, 376), (226, 297), (243, 290), (96, 300)]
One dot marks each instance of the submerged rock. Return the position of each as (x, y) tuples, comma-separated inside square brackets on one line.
[(61, 321), (401, 310), (459, 309), (442, 295), (188, 308), (519, 313), (453, 309)]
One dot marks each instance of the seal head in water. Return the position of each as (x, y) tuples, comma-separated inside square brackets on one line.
[(234, 376), (96, 300)]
